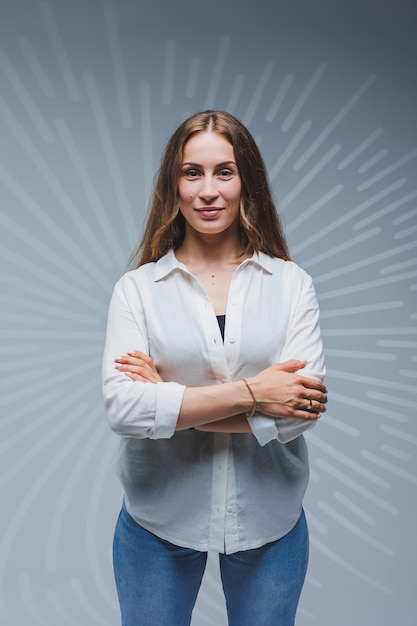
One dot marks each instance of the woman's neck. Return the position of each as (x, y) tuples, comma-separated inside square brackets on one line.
[(210, 252), (213, 266)]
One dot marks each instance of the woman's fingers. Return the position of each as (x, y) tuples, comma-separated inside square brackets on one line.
[(292, 365), (316, 406), (139, 367), (142, 356), (311, 396), (298, 409), (313, 384), (301, 409), (137, 377)]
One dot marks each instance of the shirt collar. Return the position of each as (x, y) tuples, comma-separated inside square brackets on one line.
[(169, 263)]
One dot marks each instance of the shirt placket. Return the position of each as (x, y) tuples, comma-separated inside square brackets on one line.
[(221, 444), (232, 350), (220, 440), (223, 533)]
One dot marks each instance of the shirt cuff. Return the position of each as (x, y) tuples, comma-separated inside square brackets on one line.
[(291, 427), (168, 405), (284, 429), (263, 428)]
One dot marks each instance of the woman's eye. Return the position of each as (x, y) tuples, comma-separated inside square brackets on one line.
[(225, 173), (192, 173)]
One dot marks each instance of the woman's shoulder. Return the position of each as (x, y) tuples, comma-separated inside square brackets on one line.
[(136, 276), (289, 269), (150, 272)]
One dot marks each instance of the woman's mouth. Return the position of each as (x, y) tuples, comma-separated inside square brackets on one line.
[(210, 211)]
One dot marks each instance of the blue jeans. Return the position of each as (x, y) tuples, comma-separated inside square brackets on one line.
[(158, 582)]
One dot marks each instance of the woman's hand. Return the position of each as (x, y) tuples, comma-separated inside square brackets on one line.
[(138, 366), (281, 391)]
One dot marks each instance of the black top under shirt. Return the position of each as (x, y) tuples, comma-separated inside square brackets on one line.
[(222, 321)]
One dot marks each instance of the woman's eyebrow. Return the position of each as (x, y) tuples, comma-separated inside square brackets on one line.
[(224, 164)]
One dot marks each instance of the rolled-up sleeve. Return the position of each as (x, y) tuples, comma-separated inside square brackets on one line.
[(303, 342), (134, 409), (263, 428)]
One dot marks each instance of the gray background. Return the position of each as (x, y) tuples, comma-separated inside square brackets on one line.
[(90, 91)]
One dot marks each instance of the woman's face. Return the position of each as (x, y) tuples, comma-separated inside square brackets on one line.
[(209, 187)]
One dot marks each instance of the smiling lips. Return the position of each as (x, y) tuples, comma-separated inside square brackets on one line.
[(210, 211)]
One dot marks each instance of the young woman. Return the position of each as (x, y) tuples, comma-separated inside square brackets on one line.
[(212, 370)]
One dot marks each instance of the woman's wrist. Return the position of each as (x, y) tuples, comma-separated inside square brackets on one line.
[(252, 411)]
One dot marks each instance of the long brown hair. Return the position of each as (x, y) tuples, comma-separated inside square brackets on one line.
[(260, 226)]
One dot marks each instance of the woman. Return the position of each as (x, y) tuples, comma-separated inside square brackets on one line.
[(212, 370)]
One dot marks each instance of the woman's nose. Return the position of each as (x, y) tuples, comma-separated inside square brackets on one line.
[(208, 188)]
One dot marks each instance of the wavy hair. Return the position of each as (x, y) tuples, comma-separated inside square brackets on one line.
[(259, 223)]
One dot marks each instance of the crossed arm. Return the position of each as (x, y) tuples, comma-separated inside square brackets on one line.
[(280, 391)]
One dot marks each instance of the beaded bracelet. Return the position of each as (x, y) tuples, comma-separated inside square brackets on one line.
[(252, 413)]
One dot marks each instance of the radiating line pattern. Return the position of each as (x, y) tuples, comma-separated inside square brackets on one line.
[(118, 66), (26, 99), (61, 55), (347, 160), (303, 98), (83, 122)]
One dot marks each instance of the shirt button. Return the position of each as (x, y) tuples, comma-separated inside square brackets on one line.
[(232, 339), (230, 509)]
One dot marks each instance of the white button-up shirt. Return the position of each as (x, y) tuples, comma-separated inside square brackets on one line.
[(210, 491)]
